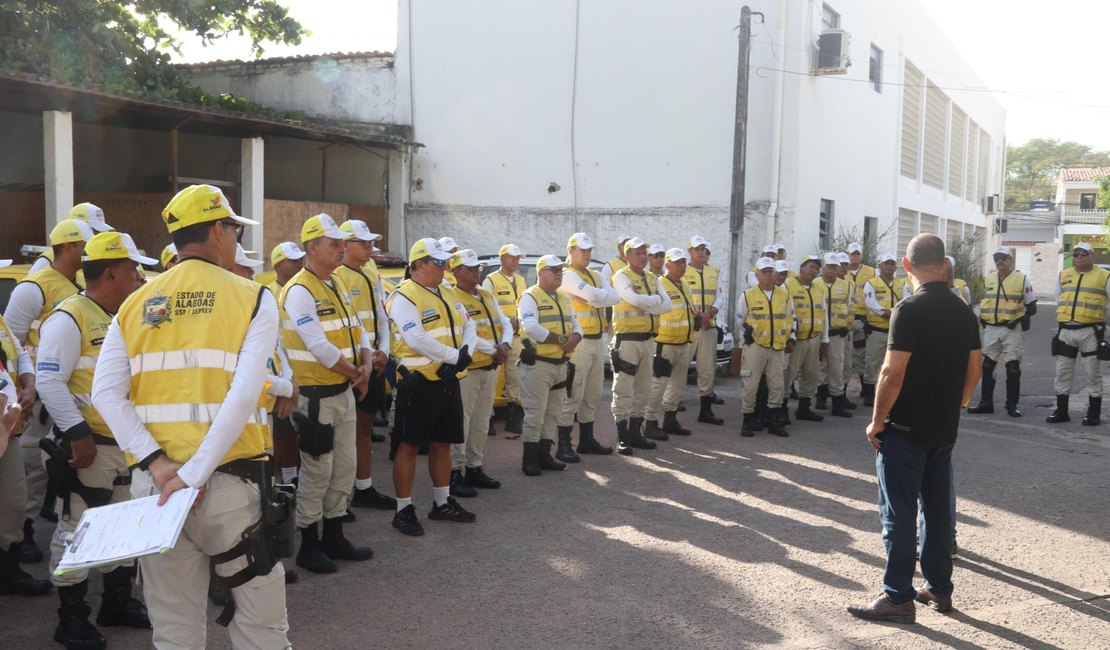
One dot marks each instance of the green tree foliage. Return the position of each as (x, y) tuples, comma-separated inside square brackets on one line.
[(968, 254), (125, 46), (1032, 168), (872, 244)]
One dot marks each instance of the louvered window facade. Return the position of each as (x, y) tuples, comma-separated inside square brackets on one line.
[(972, 164), (984, 164), (936, 118), (912, 94), (957, 148)]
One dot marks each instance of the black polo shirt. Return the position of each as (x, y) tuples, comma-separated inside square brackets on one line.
[(938, 330)]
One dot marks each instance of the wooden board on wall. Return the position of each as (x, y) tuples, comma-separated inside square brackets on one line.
[(138, 215), (22, 221)]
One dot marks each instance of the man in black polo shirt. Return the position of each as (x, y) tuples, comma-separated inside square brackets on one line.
[(932, 364)]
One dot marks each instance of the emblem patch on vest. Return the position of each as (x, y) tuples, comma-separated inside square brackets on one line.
[(156, 311)]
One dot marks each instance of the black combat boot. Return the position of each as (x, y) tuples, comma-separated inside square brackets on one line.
[(311, 556), (671, 425), (848, 404), (514, 420), (778, 422), (529, 460), (804, 413), (546, 462), (653, 432), (459, 487), (623, 447), (840, 406), (477, 477), (986, 397), (14, 581), (746, 428), (706, 415), (635, 437), (1013, 388), (783, 412), (1094, 412), (716, 400), (587, 444), (28, 552), (565, 452), (117, 607), (338, 547), (822, 401), (869, 394), (1061, 412), (74, 630)]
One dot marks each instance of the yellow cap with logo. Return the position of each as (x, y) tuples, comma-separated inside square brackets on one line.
[(169, 253), (427, 247), (322, 225), (114, 245), (199, 204), (70, 230)]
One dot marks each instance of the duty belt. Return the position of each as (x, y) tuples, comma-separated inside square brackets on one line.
[(254, 470), (556, 362), (592, 336), (1077, 326), (323, 392), (637, 336)]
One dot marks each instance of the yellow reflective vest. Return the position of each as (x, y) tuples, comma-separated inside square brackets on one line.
[(702, 286), (628, 319), (837, 299), (11, 353), (809, 307), (507, 292), (336, 311), (480, 309), (887, 296), (1003, 301), (55, 288), (183, 331), (767, 317), (615, 265), (1082, 296), (591, 319), (554, 314), (859, 278), (365, 298), (92, 321), (438, 316), (676, 326)]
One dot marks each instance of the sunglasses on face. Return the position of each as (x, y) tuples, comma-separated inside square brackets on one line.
[(440, 263), (236, 226), (1080, 253), (1000, 258)]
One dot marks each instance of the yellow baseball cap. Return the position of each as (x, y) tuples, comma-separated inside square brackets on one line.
[(465, 257), (322, 225), (549, 262), (357, 229), (427, 247), (286, 250), (90, 214), (511, 250), (115, 246), (168, 253), (70, 230), (581, 241), (199, 204), (634, 243)]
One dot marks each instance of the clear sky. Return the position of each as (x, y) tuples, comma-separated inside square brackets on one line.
[(1042, 58)]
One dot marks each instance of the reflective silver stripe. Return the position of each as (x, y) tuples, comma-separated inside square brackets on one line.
[(438, 332), (629, 314), (410, 362), (335, 324), (675, 325), (83, 399), (35, 325), (363, 315), (170, 413), (300, 355), (181, 359), (85, 363)]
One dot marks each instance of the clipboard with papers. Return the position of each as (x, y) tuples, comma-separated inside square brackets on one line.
[(126, 530)]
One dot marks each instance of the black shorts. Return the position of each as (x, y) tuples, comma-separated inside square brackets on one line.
[(436, 414), (372, 401)]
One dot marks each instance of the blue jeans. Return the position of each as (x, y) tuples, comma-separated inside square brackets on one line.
[(907, 471), (951, 508)]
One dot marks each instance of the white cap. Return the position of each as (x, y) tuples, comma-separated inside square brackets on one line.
[(549, 262), (951, 260), (359, 230), (465, 257), (4, 263), (855, 247), (844, 259), (810, 258), (1001, 250), (623, 237), (447, 243), (782, 265), (1084, 245), (832, 258), (242, 259), (656, 249), (580, 240), (764, 263), (286, 250), (676, 254), (91, 214), (633, 243), (698, 240), (887, 257), (510, 249), (778, 247), (770, 248)]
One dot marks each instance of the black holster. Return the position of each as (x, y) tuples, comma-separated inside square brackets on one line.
[(567, 383), (528, 352), (1061, 349), (63, 478), (620, 365), (660, 367), (406, 388), (1103, 349), (749, 335), (313, 437)]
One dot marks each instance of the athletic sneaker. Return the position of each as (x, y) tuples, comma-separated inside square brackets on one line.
[(451, 511), (405, 521)]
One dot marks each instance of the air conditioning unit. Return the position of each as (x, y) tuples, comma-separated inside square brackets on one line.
[(833, 46)]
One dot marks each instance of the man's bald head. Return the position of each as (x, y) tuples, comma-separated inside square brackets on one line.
[(926, 251)]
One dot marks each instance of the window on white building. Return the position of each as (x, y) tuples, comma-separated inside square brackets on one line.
[(875, 71), (1088, 201), (829, 18), (870, 227), (825, 223)]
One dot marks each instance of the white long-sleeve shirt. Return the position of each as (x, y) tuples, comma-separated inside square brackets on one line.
[(24, 307), (488, 346), (657, 303), (58, 356), (1027, 301), (112, 387), (301, 308), (404, 313), (607, 275), (574, 285), (742, 314), (873, 303), (281, 385), (22, 364), (530, 323)]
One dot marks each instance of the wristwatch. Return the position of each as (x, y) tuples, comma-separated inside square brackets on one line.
[(562, 339)]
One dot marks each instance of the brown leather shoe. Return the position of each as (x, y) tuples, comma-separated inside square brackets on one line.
[(938, 603), (881, 609)]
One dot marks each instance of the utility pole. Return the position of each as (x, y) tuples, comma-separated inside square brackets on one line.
[(739, 151)]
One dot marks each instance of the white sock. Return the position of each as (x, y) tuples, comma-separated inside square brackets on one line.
[(403, 503), (440, 494), (288, 474), (363, 483)]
